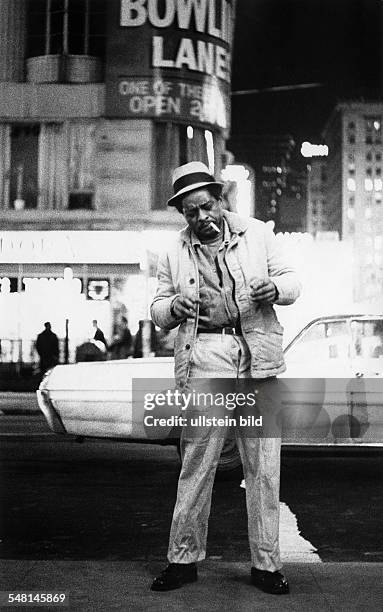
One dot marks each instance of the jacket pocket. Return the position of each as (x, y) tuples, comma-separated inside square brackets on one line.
[(267, 349)]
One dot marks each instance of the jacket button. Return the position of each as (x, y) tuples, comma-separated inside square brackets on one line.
[(192, 281), (187, 346)]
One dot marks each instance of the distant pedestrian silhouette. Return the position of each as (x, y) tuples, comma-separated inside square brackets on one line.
[(121, 348), (47, 347), (99, 334)]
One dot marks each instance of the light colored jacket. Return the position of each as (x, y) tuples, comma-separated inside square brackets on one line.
[(253, 252)]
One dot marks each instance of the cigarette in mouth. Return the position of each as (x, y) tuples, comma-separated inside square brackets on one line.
[(214, 227)]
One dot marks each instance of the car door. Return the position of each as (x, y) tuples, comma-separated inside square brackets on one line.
[(366, 394), (319, 369)]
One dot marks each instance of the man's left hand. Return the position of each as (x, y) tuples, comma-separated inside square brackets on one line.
[(263, 290)]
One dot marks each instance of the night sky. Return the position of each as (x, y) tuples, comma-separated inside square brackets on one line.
[(337, 43)]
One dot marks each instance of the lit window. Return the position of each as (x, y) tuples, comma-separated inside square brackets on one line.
[(351, 213), (368, 213), (378, 184), (190, 132), (376, 125), (368, 184), (351, 185)]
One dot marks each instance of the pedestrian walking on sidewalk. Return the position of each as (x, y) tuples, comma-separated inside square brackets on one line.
[(47, 347)]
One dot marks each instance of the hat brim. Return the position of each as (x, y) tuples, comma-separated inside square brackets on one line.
[(174, 199)]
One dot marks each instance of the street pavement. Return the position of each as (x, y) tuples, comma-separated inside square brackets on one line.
[(222, 585)]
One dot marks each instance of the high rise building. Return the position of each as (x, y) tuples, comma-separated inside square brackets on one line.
[(354, 189), (280, 179), (317, 217)]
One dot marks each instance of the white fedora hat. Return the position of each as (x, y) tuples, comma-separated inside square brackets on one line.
[(188, 177)]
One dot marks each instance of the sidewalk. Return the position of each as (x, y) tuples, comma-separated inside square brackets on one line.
[(112, 585)]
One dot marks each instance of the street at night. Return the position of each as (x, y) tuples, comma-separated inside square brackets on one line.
[(85, 515), (113, 500)]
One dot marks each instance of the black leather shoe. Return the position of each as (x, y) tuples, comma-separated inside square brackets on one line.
[(174, 576), (270, 582)]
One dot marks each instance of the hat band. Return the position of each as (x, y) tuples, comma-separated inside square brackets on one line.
[(192, 179)]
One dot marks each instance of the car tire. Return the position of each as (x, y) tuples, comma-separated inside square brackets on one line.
[(229, 464)]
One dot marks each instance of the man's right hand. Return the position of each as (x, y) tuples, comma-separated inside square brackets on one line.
[(185, 307)]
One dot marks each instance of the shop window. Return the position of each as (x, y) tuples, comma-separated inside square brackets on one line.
[(80, 201), (24, 166), (66, 27)]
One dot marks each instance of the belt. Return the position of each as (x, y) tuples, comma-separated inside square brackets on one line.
[(223, 331)]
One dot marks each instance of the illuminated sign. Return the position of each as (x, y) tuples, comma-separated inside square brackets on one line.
[(31, 247), (170, 59), (312, 150), (98, 290)]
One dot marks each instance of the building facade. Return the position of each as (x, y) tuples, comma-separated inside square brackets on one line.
[(99, 100), (354, 189), (317, 214), (280, 178)]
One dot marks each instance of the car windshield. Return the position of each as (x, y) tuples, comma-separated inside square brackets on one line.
[(324, 340)]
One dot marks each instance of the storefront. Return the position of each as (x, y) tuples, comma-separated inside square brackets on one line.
[(71, 278)]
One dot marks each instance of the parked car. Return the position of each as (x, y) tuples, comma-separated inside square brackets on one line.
[(332, 391)]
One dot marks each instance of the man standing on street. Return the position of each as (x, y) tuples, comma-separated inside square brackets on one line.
[(218, 283), (47, 347)]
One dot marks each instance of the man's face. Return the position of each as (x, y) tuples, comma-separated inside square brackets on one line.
[(200, 208)]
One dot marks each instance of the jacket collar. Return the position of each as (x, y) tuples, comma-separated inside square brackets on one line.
[(237, 225)]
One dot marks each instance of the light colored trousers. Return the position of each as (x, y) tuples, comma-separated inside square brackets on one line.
[(215, 356)]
